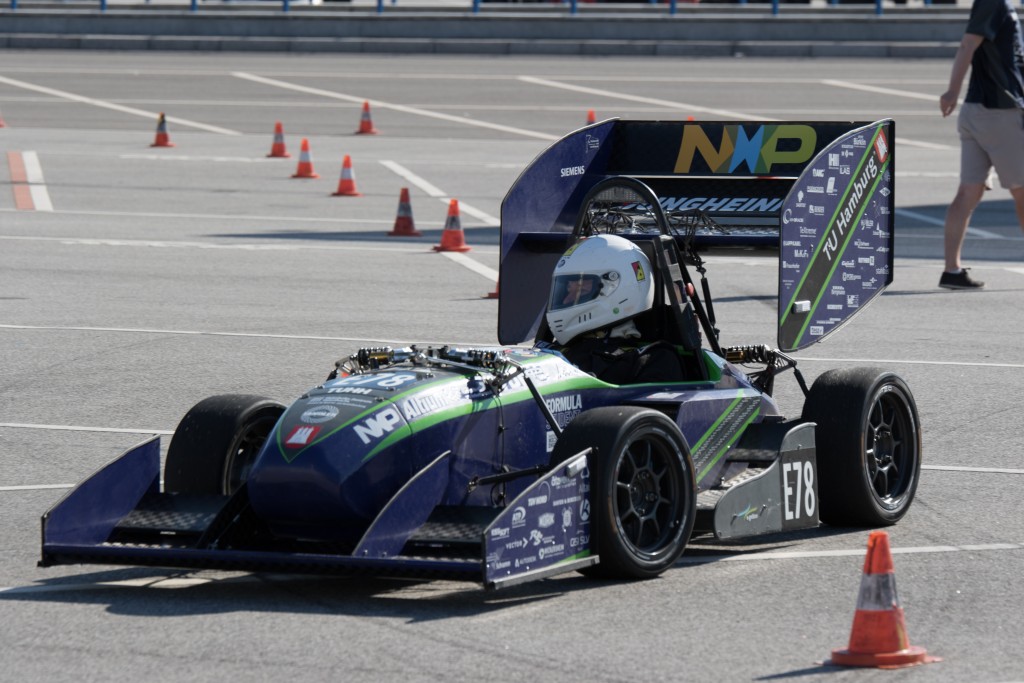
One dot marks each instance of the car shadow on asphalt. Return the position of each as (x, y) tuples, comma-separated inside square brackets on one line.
[(706, 549), (168, 593), (138, 591)]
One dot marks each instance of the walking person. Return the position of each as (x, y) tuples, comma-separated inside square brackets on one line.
[(990, 124)]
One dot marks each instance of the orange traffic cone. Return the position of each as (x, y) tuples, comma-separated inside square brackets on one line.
[(3, 124), (277, 149), (452, 238), (494, 294), (404, 226), (162, 138), (365, 122), (347, 183), (591, 118), (305, 168), (879, 635)]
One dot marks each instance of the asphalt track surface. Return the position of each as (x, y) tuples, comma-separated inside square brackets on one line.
[(144, 279)]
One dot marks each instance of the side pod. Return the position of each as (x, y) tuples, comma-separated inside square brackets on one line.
[(777, 492)]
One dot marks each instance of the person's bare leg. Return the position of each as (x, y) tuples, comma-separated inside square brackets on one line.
[(1018, 202), (959, 214)]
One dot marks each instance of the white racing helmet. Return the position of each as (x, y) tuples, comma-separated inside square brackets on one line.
[(599, 282)]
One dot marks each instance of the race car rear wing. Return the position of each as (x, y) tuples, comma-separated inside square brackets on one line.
[(817, 194)]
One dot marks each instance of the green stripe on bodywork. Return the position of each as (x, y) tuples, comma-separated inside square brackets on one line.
[(737, 402), (434, 419), (415, 389)]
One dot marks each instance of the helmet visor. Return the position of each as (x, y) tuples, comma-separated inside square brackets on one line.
[(572, 290)]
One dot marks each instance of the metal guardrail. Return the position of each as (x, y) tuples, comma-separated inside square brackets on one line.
[(573, 5)]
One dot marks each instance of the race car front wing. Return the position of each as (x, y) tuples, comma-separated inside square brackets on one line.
[(119, 516)]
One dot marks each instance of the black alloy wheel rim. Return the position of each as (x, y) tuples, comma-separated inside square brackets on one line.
[(891, 449), (646, 499)]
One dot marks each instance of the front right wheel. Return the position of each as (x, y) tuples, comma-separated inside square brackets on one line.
[(643, 490)]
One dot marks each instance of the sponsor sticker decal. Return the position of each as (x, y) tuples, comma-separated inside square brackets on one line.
[(301, 436), (320, 413)]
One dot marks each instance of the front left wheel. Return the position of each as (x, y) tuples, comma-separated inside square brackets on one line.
[(642, 489), (215, 445)]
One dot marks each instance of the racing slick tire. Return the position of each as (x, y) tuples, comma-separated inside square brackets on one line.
[(642, 489), (868, 438), (216, 443)]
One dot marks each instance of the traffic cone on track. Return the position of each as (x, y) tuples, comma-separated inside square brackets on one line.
[(404, 226), (347, 183), (591, 118), (365, 122), (452, 237), (879, 635), (305, 168), (494, 294), (163, 139), (277, 149), (3, 124)]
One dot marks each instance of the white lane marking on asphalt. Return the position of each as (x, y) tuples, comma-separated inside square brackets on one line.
[(436, 192), (456, 257), (40, 197), (234, 218), (296, 337), (116, 107), (395, 107), (684, 106), (475, 266), (166, 244), (1019, 271), (476, 213), (882, 91), (813, 554), (33, 169), (977, 232), (927, 174), (36, 182), (921, 144), (402, 172), (898, 93), (943, 363), (982, 470), (76, 428), (186, 157), (36, 487)]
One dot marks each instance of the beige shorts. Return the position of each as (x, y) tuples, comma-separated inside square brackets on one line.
[(991, 138)]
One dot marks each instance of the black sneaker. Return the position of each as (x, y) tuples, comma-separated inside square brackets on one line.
[(959, 280)]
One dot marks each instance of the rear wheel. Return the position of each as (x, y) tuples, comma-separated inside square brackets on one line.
[(215, 445), (868, 439), (643, 494)]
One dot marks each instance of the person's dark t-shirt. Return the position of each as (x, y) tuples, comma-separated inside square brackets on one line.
[(996, 68)]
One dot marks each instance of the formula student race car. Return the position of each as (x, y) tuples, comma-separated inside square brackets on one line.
[(501, 465)]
